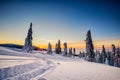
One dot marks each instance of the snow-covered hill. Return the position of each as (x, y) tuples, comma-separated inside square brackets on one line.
[(16, 65)]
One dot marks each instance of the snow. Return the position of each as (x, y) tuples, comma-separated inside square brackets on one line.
[(83, 70), (16, 65), (9, 61)]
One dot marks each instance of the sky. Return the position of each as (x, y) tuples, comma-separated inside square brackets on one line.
[(67, 20)]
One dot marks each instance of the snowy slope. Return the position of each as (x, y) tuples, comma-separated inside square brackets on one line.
[(16, 65), (79, 69), (22, 66), (82, 70)]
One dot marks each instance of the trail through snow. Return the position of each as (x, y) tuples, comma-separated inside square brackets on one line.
[(16, 65)]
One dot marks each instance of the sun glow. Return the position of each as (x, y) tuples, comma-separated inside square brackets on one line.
[(41, 46), (82, 45), (74, 44)]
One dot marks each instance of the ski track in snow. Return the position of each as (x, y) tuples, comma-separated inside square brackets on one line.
[(22, 66)]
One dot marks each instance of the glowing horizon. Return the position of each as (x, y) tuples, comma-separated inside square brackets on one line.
[(73, 44)]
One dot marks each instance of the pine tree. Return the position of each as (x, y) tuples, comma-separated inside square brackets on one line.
[(49, 50), (112, 55), (117, 57), (58, 47), (28, 41), (89, 46), (103, 54), (65, 49)]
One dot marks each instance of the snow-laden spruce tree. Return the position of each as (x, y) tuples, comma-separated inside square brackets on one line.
[(49, 50), (89, 47), (28, 41), (58, 47), (97, 56), (74, 51), (103, 54), (117, 57), (113, 55), (65, 49), (70, 52)]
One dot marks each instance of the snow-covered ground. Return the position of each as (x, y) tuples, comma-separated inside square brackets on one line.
[(82, 70), (16, 65)]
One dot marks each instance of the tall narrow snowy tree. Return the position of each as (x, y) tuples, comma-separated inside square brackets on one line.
[(113, 54), (28, 41), (117, 57), (70, 52), (65, 49), (103, 54), (89, 47), (58, 48), (49, 50)]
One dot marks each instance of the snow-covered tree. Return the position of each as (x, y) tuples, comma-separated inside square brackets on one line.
[(49, 50), (106, 61), (74, 51), (104, 55), (117, 57), (112, 57), (80, 54), (58, 47), (65, 49), (89, 46), (108, 56), (97, 56), (70, 52), (28, 41)]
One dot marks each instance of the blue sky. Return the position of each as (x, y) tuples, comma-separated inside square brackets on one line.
[(65, 20)]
